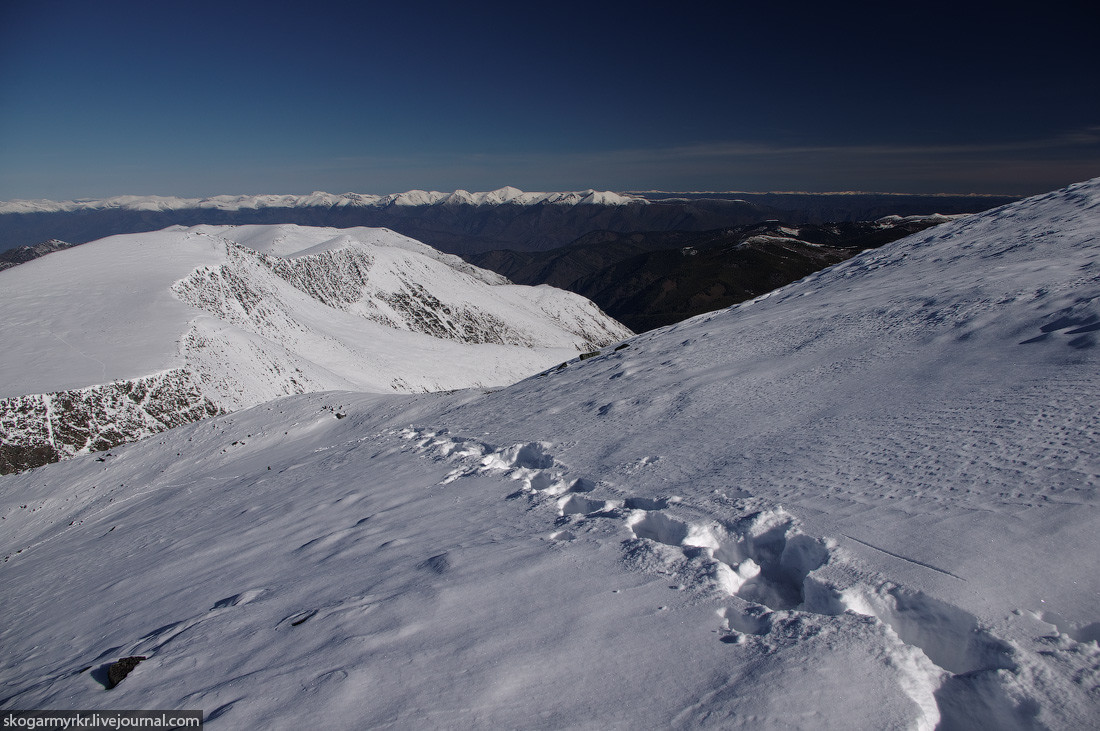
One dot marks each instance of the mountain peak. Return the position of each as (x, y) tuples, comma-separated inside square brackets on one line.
[(507, 194), (243, 314)]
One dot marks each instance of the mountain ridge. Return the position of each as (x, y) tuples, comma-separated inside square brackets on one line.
[(461, 222), (500, 196), (241, 315)]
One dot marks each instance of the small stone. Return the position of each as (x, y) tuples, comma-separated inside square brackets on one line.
[(119, 670)]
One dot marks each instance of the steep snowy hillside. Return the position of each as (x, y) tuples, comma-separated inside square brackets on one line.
[(239, 315), (866, 501)]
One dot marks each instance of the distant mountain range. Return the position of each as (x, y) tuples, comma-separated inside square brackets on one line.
[(463, 222), (650, 279)]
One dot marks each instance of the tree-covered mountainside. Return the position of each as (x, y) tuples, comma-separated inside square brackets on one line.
[(650, 279)]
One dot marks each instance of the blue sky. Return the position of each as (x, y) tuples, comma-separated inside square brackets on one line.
[(202, 98)]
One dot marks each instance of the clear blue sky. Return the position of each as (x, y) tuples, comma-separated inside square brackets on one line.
[(201, 98)]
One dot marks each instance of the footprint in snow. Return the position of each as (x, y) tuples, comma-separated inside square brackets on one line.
[(355, 604), (767, 563), (245, 597)]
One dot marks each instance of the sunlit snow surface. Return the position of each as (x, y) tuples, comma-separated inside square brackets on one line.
[(258, 306), (130, 335), (868, 500)]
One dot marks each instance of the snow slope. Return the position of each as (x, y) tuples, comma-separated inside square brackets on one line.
[(254, 312), (868, 500)]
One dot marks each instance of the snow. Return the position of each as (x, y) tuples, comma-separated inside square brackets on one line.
[(291, 241), (99, 312), (771, 240), (122, 307), (217, 319), (868, 500), (507, 194)]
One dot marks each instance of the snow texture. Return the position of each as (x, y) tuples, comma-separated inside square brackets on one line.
[(868, 500)]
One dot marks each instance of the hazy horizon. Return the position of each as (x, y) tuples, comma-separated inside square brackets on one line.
[(202, 99), (651, 194)]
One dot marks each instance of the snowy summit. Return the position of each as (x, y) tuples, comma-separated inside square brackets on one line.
[(134, 333), (868, 500), (320, 199)]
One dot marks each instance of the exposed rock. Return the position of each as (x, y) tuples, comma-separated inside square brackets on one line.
[(119, 670), (43, 428), (23, 254)]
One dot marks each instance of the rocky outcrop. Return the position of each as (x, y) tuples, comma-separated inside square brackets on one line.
[(23, 254), (117, 671), (334, 309), (43, 428)]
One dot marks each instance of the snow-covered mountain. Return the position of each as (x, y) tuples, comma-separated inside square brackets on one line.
[(868, 500), (500, 196), (459, 222), (126, 336)]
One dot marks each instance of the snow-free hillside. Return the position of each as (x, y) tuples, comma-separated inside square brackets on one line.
[(235, 316), (866, 501)]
